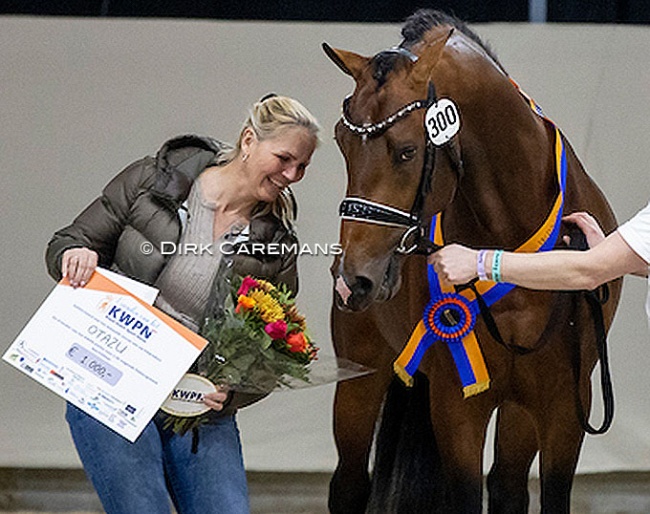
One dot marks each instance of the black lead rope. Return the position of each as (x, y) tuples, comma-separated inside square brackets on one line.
[(489, 320), (595, 299), (596, 302)]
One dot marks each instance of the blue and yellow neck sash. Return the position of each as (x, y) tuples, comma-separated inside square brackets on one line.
[(450, 316)]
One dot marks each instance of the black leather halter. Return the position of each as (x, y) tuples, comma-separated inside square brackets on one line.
[(414, 239)]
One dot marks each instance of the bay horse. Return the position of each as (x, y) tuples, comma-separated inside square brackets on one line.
[(491, 182)]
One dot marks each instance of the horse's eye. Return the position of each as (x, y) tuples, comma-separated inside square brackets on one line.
[(407, 154)]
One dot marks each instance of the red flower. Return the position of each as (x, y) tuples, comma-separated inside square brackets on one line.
[(297, 342), (277, 329), (247, 283)]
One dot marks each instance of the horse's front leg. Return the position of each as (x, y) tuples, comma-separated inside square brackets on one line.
[(459, 426), (515, 448), (561, 441), (356, 408)]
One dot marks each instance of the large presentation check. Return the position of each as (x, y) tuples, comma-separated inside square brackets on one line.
[(105, 349)]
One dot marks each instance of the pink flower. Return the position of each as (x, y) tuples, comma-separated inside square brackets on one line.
[(277, 329), (247, 283)]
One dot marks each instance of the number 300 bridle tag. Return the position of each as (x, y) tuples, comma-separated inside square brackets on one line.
[(442, 121)]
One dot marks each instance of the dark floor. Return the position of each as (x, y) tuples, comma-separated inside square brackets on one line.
[(31, 491)]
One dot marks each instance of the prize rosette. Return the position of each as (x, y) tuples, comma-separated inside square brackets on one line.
[(450, 317)]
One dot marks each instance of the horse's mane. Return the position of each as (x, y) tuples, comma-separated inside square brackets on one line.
[(413, 31), (423, 20)]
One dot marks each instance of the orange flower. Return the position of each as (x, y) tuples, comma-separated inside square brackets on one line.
[(297, 342), (245, 302)]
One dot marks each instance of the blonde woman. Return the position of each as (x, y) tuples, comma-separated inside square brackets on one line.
[(196, 192)]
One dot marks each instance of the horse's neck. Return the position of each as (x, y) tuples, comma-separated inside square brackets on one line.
[(509, 183)]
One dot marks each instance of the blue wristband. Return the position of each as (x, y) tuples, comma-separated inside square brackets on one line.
[(496, 265)]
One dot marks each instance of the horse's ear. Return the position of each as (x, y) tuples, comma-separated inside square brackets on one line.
[(429, 58), (349, 62)]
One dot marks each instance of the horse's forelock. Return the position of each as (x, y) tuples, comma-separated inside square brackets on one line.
[(385, 62)]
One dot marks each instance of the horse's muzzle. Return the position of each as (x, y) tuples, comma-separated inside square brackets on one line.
[(358, 292)]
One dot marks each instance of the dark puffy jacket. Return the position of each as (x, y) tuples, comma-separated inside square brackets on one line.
[(142, 206)]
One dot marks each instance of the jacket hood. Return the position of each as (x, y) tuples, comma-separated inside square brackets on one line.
[(180, 160)]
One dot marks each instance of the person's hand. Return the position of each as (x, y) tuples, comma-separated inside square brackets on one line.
[(78, 265), (455, 264), (217, 399), (589, 226)]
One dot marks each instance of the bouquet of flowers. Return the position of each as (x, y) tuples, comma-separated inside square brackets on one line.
[(257, 341), (261, 341)]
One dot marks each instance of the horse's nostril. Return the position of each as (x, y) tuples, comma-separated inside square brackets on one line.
[(362, 287)]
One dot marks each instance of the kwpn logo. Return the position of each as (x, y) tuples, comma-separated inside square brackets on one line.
[(130, 321)]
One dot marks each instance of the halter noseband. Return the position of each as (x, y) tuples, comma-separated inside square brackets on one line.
[(359, 209)]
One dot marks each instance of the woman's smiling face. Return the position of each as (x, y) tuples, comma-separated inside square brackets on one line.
[(278, 162)]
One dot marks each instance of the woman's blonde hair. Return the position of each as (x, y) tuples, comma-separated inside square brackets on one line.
[(266, 119)]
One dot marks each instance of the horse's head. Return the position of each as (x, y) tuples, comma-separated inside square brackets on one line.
[(390, 163)]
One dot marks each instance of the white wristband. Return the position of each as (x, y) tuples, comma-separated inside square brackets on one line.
[(480, 265)]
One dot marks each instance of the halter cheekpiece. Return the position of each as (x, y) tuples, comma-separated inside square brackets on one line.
[(359, 209)]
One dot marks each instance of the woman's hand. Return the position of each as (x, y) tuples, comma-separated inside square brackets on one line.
[(589, 226), (78, 265), (217, 399), (455, 264)]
